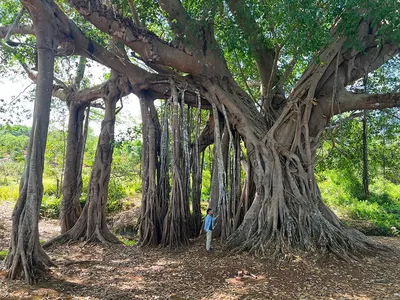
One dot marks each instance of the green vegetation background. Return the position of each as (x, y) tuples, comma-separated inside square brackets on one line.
[(339, 171)]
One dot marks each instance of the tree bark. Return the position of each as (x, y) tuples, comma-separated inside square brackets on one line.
[(196, 177), (91, 225), (150, 222), (70, 203), (176, 222), (26, 258), (164, 181), (287, 213), (365, 155)]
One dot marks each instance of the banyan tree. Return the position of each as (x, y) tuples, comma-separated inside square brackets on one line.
[(271, 76)]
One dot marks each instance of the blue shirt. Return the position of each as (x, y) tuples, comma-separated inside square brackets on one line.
[(209, 223)]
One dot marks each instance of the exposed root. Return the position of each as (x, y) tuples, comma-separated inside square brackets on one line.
[(30, 265)]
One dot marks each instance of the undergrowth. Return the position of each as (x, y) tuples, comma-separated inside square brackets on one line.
[(345, 197), (3, 254)]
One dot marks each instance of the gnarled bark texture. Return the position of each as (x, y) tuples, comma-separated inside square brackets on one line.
[(91, 225), (176, 222), (287, 212), (70, 203), (150, 220), (26, 258)]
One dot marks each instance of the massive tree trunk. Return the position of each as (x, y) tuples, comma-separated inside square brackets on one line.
[(91, 225), (26, 258), (287, 212), (70, 203)]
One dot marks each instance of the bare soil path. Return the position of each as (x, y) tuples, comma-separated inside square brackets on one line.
[(129, 272)]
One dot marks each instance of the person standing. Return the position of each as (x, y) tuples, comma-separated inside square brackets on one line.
[(208, 228)]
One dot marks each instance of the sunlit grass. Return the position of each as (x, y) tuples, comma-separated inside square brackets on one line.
[(127, 242), (382, 208)]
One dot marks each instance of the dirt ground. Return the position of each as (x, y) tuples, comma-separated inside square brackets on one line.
[(129, 272)]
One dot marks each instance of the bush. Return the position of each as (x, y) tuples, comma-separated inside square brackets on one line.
[(116, 192), (50, 186), (9, 192), (3, 254), (127, 242), (50, 207), (382, 208)]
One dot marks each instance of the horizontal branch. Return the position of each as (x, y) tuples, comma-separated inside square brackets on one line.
[(21, 29), (349, 101), (87, 95)]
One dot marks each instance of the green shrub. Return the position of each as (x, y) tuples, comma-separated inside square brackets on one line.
[(3, 254), (116, 192), (9, 192), (50, 186), (127, 242), (50, 207), (382, 208)]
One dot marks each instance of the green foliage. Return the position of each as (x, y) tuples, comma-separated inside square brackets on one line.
[(50, 207), (340, 164), (116, 192), (343, 194), (55, 154), (128, 242), (3, 254), (9, 192), (13, 142), (341, 149)]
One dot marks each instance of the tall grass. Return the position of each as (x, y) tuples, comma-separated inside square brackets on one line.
[(344, 195)]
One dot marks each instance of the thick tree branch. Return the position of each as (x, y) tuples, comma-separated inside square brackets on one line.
[(75, 42), (349, 101), (85, 96), (21, 29), (13, 25), (145, 43)]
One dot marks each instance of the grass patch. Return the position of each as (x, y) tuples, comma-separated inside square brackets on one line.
[(127, 242), (381, 209), (9, 192)]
